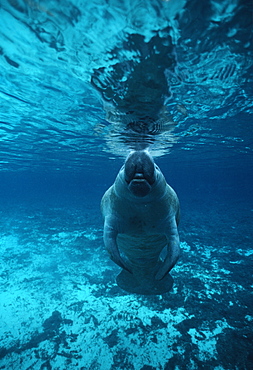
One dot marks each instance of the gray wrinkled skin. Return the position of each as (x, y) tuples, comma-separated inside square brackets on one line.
[(141, 215)]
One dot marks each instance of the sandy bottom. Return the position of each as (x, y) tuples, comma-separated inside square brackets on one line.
[(60, 306)]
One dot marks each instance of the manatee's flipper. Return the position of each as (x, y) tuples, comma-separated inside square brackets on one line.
[(110, 240), (173, 250), (129, 283)]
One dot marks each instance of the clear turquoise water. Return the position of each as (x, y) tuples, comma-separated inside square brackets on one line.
[(82, 83)]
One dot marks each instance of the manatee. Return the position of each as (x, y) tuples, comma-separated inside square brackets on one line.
[(141, 215)]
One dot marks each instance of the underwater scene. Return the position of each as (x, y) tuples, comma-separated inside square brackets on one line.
[(126, 185)]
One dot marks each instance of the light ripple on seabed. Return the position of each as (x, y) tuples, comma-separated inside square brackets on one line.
[(61, 308)]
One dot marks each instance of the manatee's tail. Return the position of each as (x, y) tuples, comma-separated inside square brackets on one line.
[(131, 284)]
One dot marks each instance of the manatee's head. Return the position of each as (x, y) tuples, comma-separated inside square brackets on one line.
[(140, 173)]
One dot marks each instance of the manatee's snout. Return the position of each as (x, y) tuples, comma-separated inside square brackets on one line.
[(139, 173)]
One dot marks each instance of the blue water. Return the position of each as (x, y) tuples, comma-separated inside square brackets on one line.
[(81, 84)]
